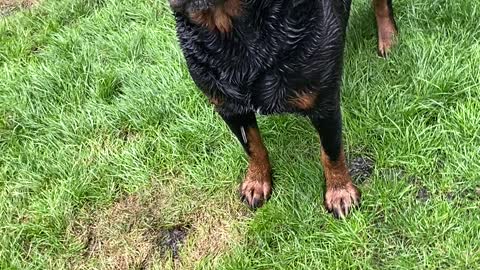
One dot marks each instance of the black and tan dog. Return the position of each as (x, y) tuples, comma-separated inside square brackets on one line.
[(276, 56)]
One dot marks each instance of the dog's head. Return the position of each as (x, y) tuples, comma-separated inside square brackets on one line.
[(213, 14), (192, 6)]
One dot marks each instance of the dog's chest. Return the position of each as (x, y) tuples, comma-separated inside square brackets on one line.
[(264, 61), (254, 74)]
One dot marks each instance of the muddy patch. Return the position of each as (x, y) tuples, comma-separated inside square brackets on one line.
[(422, 194), (173, 239), (450, 196), (127, 134), (361, 168), (157, 229)]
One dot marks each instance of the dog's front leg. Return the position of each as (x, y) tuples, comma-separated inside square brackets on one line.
[(386, 27), (257, 185), (341, 195)]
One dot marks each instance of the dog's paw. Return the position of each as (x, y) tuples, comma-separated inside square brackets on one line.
[(256, 189), (386, 41), (340, 200), (385, 46)]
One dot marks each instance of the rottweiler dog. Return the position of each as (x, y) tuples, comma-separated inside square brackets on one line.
[(276, 56)]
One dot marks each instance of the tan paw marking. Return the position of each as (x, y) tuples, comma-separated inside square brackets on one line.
[(340, 200)]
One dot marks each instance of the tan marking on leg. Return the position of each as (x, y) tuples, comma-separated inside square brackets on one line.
[(257, 185), (336, 172), (341, 194), (385, 27), (304, 100)]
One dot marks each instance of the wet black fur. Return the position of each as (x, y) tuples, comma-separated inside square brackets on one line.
[(275, 49)]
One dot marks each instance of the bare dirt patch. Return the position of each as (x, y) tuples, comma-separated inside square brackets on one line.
[(361, 168), (423, 194), (173, 239), (153, 230)]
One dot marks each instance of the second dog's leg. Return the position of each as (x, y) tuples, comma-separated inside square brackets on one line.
[(341, 195), (385, 25), (257, 185)]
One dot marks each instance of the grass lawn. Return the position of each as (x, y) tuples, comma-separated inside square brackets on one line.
[(110, 158)]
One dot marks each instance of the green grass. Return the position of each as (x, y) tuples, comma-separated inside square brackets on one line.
[(106, 145)]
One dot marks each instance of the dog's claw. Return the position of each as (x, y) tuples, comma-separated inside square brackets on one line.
[(340, 200), (255, 193), (256, 203)]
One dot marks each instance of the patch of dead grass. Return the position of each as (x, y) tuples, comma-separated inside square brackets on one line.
[(216, 231), (152, 230), (8, 6), (18, 3)]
